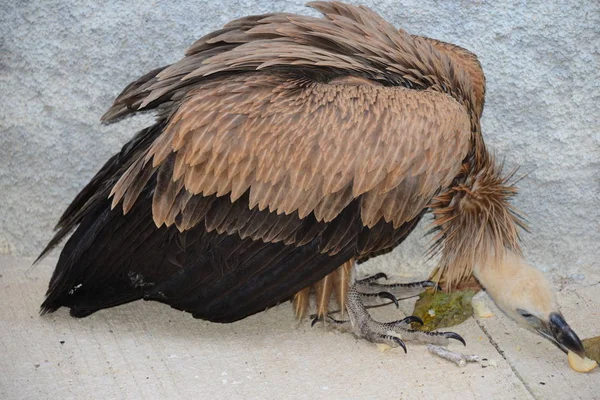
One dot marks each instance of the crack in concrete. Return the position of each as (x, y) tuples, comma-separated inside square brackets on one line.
[(501, 352)]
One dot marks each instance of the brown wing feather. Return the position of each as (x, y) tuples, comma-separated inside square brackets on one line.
[(292, 133), (300, 144), (349, 40), (469, 62)]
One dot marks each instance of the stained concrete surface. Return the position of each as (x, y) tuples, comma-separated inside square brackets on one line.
[(62, 63), (537, 362), (146, 350)]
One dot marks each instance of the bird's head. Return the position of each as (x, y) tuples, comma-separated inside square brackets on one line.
[(525, 295)]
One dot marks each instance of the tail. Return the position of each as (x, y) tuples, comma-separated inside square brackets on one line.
[(65, 288), (89, 212)]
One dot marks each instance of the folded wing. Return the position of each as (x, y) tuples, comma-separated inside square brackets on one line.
[(285, 146)]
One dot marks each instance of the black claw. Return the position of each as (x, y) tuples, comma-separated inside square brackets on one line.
[(389, 296), (411, 319), (379, 275), (372, 278), (399, 341), (431, 284), (335, 321), (314, 321), (452, 335)]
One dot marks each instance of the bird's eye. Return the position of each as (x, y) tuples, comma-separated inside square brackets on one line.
[(524, 313)]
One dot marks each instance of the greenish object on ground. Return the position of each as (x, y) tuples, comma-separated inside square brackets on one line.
[(439, 309), (592, 348)]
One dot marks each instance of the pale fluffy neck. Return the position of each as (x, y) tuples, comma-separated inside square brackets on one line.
[(513, 283)]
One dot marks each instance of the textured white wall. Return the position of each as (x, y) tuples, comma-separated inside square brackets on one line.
[(62, 63)]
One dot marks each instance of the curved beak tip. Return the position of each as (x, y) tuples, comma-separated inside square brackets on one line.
[(566, 339)]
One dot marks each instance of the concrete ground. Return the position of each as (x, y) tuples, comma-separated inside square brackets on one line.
[(148, 350)]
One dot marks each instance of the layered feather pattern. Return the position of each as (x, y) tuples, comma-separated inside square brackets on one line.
[(285, 148)]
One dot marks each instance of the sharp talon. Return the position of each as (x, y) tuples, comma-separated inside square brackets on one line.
[(456, 336), (379, 275), (431, 284), (389, 296), (411, 319), (336, 321), (372, 278), (400, 342), (314, 321)]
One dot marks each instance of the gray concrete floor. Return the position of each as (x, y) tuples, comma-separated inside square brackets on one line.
[(148, 350)]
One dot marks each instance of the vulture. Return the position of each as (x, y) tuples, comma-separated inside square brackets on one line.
[(287, 149)]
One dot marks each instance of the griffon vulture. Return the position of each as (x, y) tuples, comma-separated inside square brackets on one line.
[(285, 149)]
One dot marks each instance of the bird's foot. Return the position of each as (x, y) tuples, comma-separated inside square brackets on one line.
[(393, 334), (374, 293)]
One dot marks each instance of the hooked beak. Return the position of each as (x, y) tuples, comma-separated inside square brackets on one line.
[(560, 333)]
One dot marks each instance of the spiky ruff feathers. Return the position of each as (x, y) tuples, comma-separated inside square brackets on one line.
[(475, 222)]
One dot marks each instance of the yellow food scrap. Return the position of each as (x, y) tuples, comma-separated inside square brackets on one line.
[(581, 364), (481, 309)]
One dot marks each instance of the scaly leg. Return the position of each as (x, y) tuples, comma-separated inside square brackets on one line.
[(391, 333), (374, 293)]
